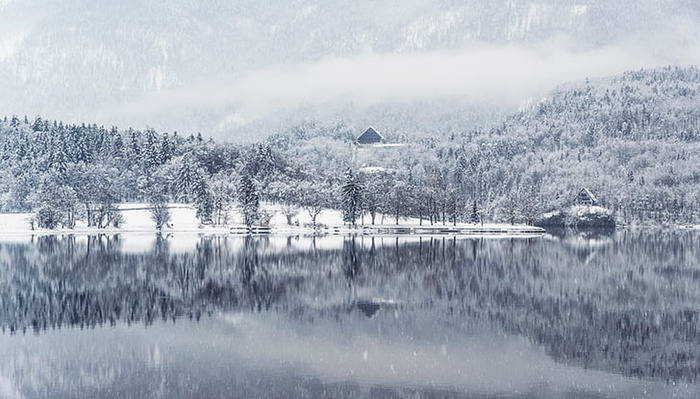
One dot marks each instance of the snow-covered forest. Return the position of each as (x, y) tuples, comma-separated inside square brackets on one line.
[(633, 140)]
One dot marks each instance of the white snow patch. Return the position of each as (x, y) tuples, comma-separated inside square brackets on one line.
[(388, 145), (581, 210), (430, 28), (372, 169), (234, 119), (137, 231), (9, 41), (15, 222), (157, 78), (579, 10)]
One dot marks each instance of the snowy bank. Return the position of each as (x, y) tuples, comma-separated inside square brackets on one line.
[(137, 219), (579, 216)]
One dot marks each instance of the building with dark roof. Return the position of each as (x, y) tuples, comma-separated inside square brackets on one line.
[(585, 197), (370, 136)]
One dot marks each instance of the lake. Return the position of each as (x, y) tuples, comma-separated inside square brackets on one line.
[(130, 316)]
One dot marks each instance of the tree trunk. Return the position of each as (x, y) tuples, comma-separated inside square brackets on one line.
[(89, 215)]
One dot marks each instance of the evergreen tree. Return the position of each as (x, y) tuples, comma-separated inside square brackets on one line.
[(166, 149), (187, 178), (38, 124), (151, 152), (474, 216), (117, 145), (249, 200), (352, 198), (82, 146), (203, 201), (134, 148)]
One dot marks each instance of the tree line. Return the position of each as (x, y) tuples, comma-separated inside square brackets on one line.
[(632, 140)]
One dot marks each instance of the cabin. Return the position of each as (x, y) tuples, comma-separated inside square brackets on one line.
[(585, 197), (370, 136)]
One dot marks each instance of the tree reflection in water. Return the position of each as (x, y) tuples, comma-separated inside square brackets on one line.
[(625, 303)]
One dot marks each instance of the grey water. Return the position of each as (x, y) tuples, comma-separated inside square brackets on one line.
[(612, 315)]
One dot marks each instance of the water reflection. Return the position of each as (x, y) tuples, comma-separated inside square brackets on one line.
[(352, 315)]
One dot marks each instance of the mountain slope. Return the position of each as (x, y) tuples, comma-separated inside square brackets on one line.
[(97, 61), (632, 139)]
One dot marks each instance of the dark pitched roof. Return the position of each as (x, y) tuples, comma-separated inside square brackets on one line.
[(370, 136), (587, 192)]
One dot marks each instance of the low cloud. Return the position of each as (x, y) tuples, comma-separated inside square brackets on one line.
[(506, 75)]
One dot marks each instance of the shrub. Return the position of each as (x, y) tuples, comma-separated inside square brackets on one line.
[(48, 217)]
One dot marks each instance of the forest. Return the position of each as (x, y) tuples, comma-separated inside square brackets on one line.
[(633, 140)]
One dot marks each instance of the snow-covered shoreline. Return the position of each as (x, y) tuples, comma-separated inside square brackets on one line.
[(137, 220)]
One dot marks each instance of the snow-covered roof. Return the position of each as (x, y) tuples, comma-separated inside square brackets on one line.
[(370, 136), (588, 193)]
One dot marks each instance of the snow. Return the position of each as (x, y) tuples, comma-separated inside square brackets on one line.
[(388, 145), (15, 222), (137, 235), (141, 228), (551, 214), (581, 210), (373, 169), (579, 10), (10, 41)]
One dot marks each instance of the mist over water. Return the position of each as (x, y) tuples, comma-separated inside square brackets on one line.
[(603, 315)]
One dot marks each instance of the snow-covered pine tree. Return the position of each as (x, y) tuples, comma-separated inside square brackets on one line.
[(134, 148), (474, 216), (166, 149), (117, 145), (151, 153), (203, 201), (249, 200), (352, 198), (187, 178)]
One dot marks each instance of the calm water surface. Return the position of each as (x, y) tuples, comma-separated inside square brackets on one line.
[(598, 316)]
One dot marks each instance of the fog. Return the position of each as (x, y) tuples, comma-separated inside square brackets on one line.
[(216, 66), (480, 75)]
